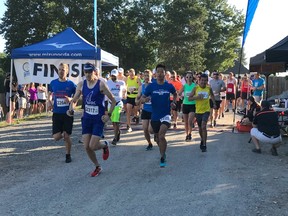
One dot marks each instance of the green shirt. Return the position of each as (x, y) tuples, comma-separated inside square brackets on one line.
[(187, 90)]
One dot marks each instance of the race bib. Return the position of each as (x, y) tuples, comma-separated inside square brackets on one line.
[(92, 110), (131, 89), (215, 93), (205, 94), (62, 102), (188, 94), (116, 94), (229, 90), (166, 118)]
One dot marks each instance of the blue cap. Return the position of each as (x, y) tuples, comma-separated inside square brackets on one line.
[(89, 67)]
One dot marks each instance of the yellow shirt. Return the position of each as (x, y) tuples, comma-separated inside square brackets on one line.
[(132, 87), (202, 105)]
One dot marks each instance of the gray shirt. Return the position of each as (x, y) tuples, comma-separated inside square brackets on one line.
[(216, 86)]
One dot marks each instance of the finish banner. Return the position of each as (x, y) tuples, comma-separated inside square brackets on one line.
[(45, 70)]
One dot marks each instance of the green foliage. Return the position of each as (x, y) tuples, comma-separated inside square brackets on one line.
[(184, 34), (224, 25)]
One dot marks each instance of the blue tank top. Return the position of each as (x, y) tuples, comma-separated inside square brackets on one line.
[(147, 106), (93, 101)]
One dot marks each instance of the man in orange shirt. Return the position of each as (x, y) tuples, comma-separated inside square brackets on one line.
[(178, 86)]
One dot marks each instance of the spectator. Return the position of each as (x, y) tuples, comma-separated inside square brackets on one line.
[(266, 129), (33, 98), (41, 94), (253, 108)]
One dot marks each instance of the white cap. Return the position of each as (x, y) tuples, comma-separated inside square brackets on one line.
[(120, 70), (207, 72), (114, 72)]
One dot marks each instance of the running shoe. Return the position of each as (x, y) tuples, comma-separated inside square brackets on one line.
[(204, 148), (189, 137), (201, 145), (114, 142), (129, 129), (96, 172), (118, 136), (105, 154), (68, 158), (256, 150), (175, 126), (227, 110), (149, 147), (222, 115), (162, 162)]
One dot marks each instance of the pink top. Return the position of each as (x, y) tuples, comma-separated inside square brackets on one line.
[(33, 94)]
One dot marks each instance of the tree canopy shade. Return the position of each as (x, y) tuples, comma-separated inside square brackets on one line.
[(184, 34)]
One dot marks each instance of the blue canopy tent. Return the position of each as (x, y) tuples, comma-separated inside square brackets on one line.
[(38, 62)]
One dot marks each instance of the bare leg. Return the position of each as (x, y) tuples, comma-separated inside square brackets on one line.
[(162, 139)]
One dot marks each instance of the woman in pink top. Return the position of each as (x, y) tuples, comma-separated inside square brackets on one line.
[(33, 98)]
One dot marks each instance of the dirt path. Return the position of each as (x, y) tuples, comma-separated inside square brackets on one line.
[(227, 180)]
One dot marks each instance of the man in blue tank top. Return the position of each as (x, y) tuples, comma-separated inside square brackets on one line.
[(94, 118), (60, 94), (159, 94)]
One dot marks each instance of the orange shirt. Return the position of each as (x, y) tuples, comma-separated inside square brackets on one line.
[(178, 86)]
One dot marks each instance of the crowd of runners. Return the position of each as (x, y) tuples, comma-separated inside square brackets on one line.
[(158, 97)]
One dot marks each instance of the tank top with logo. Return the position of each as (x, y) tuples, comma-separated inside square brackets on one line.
[(93, 101)]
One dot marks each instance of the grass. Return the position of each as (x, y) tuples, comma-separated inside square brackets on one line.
[(29, 118)]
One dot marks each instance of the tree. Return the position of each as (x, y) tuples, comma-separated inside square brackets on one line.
[(224, 26), (183, 36)]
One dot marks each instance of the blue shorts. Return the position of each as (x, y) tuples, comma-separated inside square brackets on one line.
[(92, 126)]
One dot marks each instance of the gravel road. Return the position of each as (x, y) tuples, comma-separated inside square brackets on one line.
[(228, 179)]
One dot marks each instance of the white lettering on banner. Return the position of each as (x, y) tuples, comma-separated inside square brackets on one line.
[(92, 110), (45, 70), (62, 102), (166, 118)]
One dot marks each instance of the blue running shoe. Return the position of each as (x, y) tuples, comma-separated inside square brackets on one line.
[(162, 162)]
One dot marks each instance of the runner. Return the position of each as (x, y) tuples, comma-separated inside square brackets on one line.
[(201, 94), (94, 118), (217, 85), (133, 83), (60, 94), (159, 94), (231, 85), (118, 89), (188, 108), (147, 109)]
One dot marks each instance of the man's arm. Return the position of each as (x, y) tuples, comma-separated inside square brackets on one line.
[(73, 101), (105, 90), (212, 98)]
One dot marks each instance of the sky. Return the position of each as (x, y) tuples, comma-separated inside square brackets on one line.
[(268, 26)]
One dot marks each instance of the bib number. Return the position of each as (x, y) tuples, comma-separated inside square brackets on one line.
[(166, 118), (229, 90), (92, 110), (62, 102)]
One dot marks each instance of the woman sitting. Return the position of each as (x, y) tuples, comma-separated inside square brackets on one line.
[(253, 107)]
